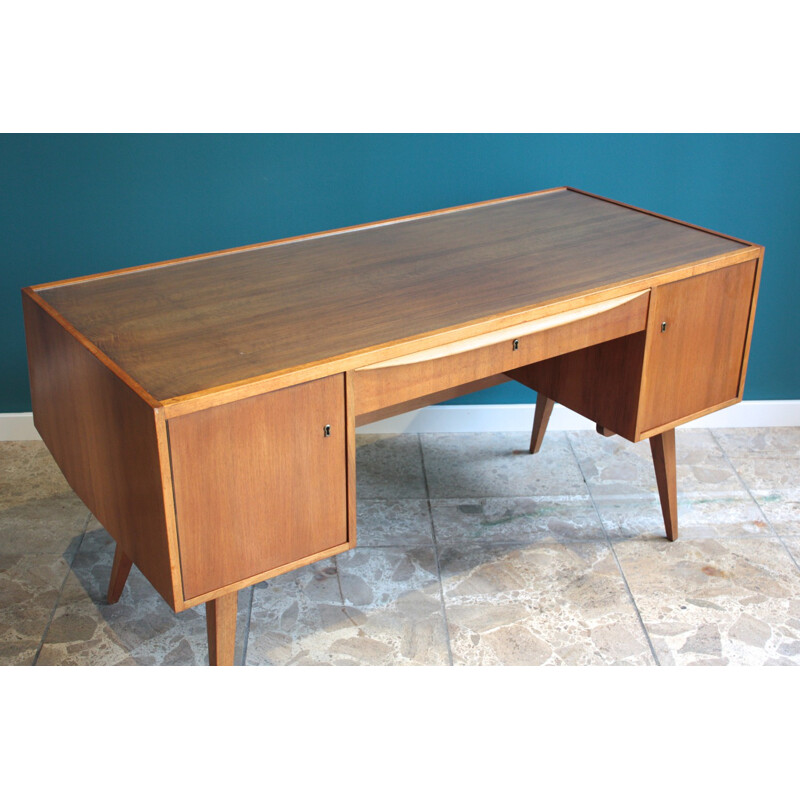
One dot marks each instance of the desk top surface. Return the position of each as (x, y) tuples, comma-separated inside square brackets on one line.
[(192, 325)]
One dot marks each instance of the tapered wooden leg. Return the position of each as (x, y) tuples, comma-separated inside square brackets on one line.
[(119, 574), (221, 624), (663, 449), (541, 416)]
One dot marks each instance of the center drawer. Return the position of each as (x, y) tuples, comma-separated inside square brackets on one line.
[(430, 372)]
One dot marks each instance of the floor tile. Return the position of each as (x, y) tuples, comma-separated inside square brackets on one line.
[(614, 466), (139, 629), (782, 509), (28, 473), (544, 603), (792, 544), (401, 523), (699, 517), (29, 589), (768, 462), (49, 526), (464, 465), (774, 482), (515, 519), (716, 602), (770, 474), (369, 606), (39, 513), (389, 467), (749, 442), (528, 573)]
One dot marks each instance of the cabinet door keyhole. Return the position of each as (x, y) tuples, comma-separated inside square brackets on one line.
[(326, 430)]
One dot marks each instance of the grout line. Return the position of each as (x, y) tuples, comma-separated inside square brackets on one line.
[(61, 591), (614, 554), (435, 552), (758, 505)]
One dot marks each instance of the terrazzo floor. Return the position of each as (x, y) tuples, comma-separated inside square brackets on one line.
[(470, 552)]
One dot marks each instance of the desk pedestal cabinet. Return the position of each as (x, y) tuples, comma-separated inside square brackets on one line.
[(205, 409)]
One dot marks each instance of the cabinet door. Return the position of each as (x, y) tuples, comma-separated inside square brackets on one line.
[(260, 483), (696, 343)]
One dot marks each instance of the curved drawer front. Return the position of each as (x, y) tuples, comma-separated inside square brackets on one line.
[(428, 372)]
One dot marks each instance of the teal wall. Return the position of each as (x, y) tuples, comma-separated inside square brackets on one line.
[(77, 204)]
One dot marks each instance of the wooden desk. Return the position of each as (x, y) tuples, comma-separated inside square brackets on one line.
[(205, 409)]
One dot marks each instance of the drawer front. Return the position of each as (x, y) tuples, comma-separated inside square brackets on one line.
[(260, 483), (429, 372), (696, 342)]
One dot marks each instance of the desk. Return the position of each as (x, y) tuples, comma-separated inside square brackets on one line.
[(205, 409)]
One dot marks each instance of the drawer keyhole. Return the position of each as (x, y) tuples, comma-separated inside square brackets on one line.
[(663, 327), (515, 344), (326, 431)]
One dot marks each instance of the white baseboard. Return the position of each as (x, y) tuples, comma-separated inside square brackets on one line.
[(473, 419), (17, 428), (494, 418)]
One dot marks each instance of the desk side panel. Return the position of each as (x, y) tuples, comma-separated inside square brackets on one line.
[(103, 437)]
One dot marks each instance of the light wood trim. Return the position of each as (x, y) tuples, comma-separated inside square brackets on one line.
[(168, 495), (292, 239), (350, 456), (404, 381), (263, 576), (221, 627), (688, 418), (750, 323), (197, 401), (31, 294), (504, 334)]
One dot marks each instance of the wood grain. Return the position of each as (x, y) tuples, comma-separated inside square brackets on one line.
[(102, 435), (382, 412), (601, 382), (350, 456), (751, 321), (429, 372), (205, 323), (221, 629), (267, 574), (662, 447), (258, 485), (695, 363), (541, 416), (120, 570)]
